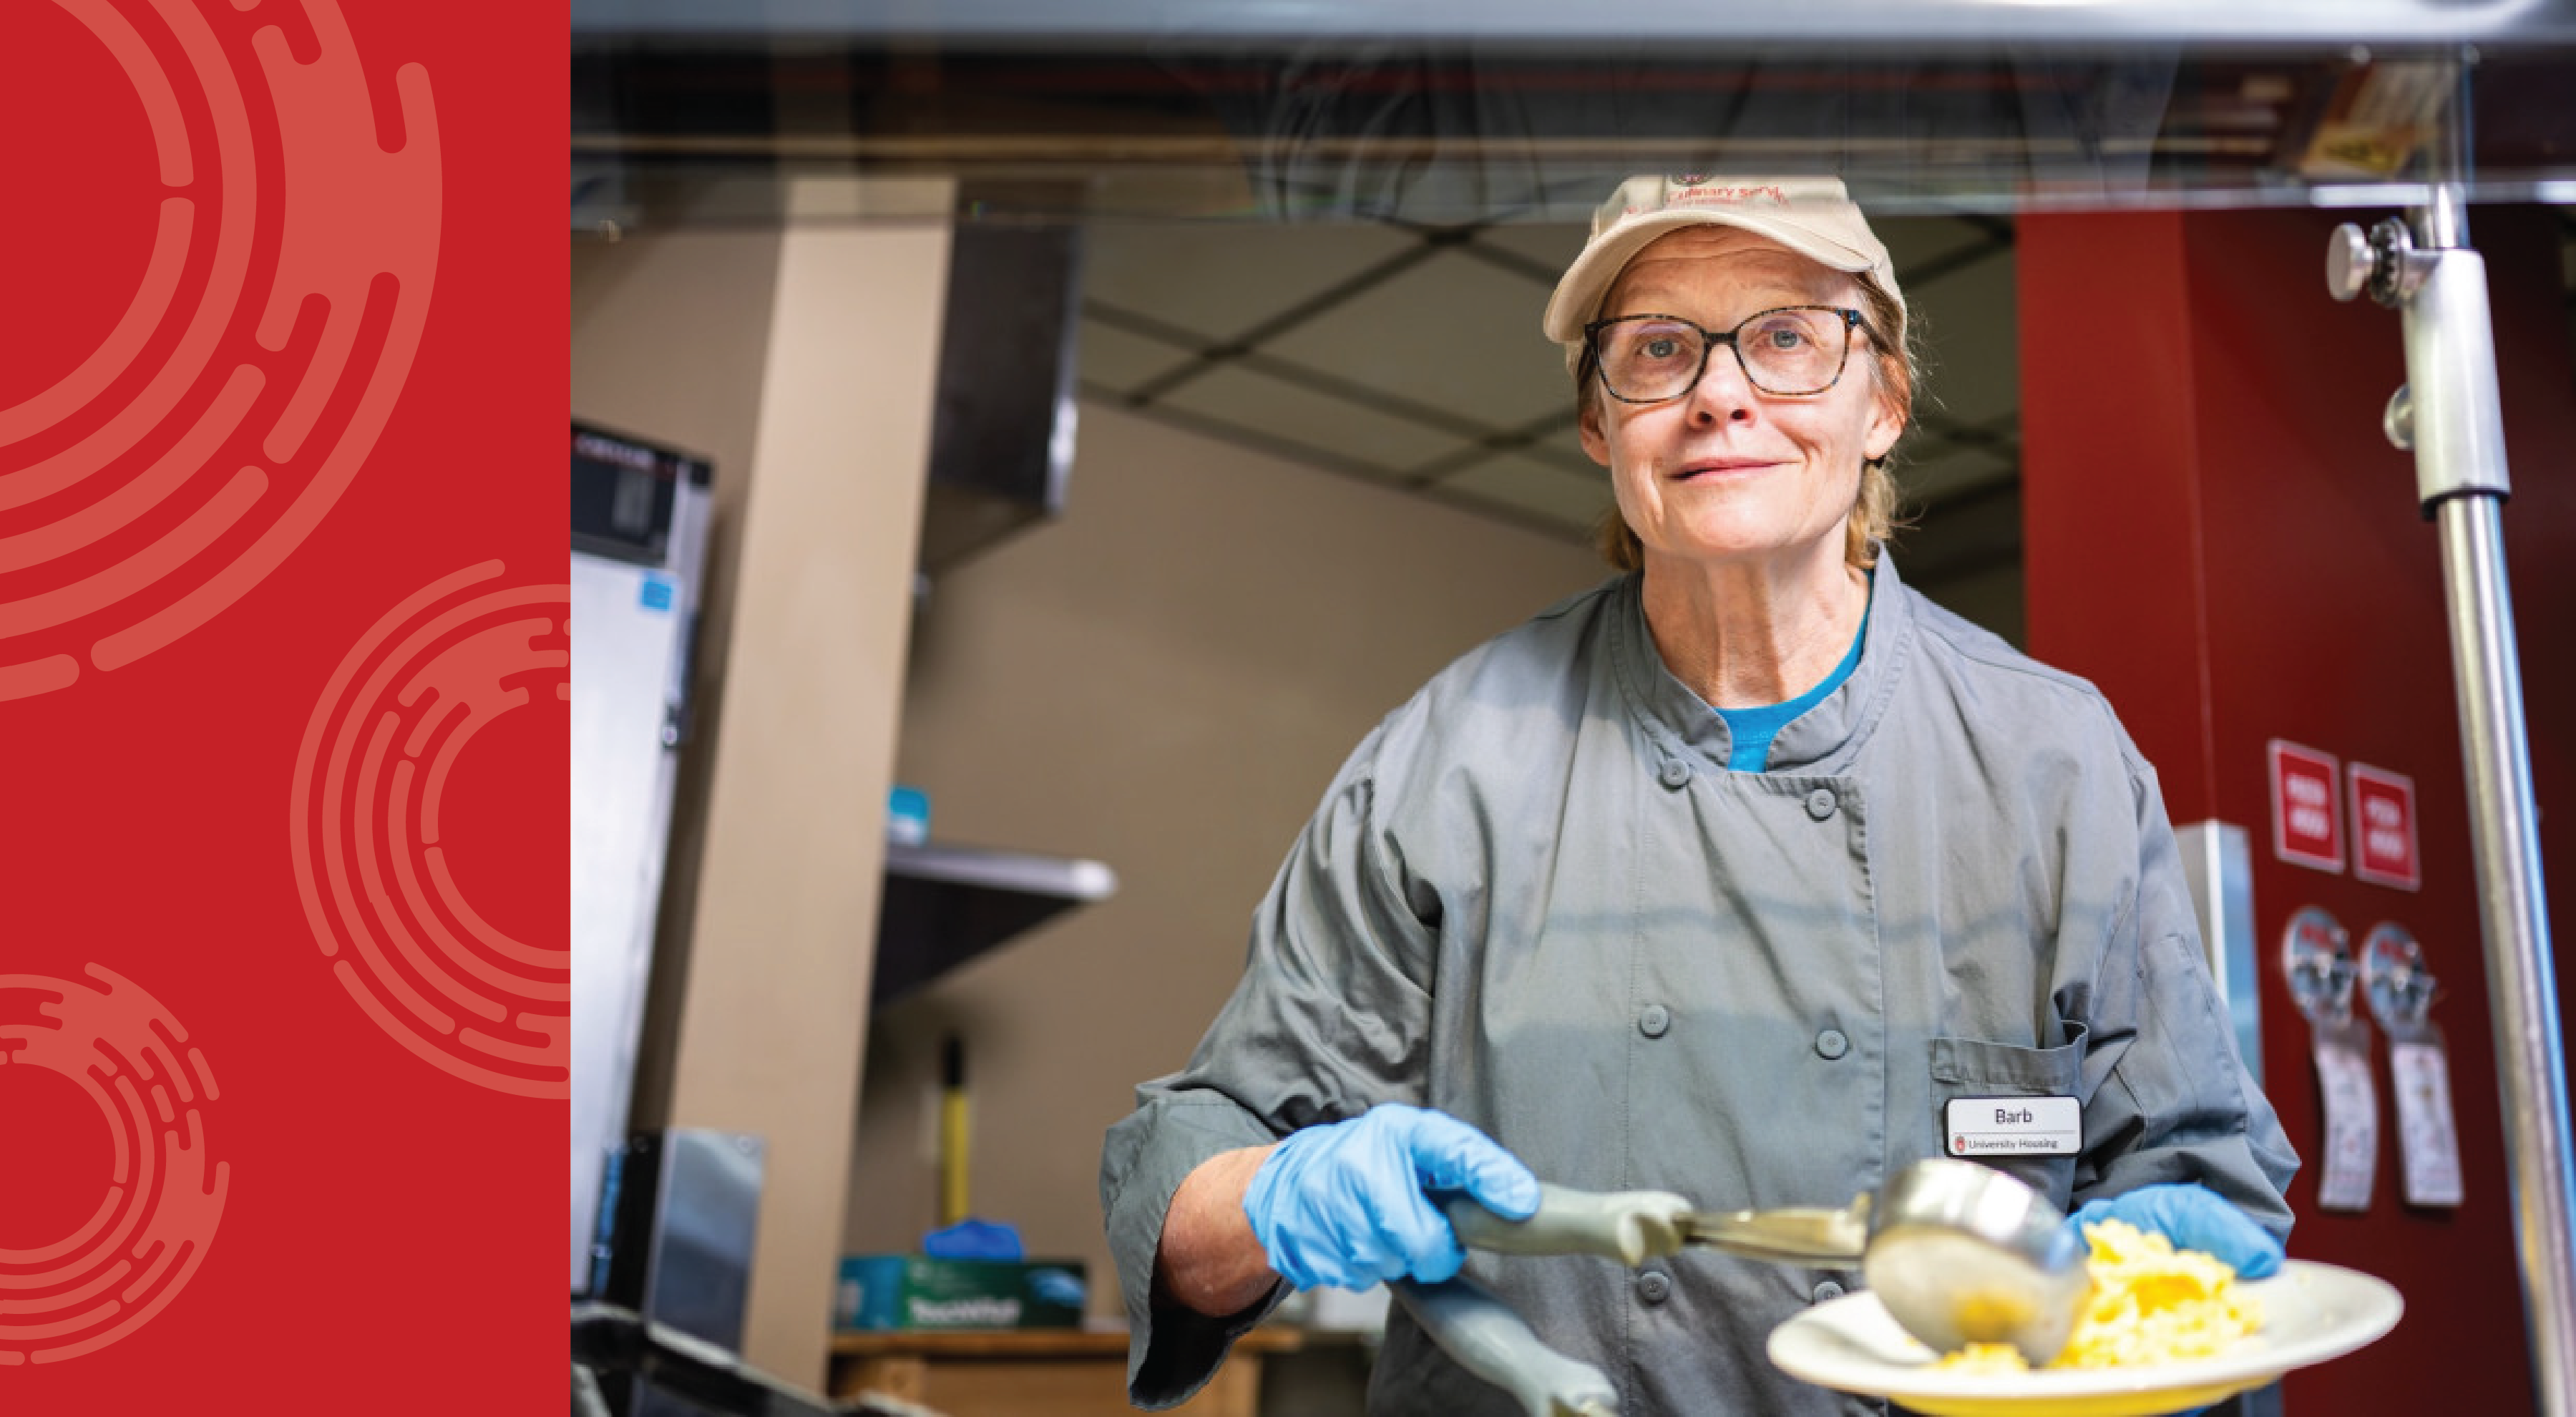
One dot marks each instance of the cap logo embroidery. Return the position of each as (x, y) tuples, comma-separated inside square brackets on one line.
[(1709, 196)]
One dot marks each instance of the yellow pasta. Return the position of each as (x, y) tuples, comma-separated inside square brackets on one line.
[(2149, 1303)]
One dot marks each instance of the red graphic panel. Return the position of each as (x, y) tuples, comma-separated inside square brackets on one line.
[(260, 345), (93, 1282), (281, 300), (406, 705)]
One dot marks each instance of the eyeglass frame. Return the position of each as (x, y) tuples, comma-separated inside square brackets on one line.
[(1710, 339)]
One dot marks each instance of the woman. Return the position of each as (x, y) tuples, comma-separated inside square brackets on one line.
[(1725, 878)]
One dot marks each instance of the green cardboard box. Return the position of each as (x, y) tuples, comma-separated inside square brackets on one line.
[(917, 1292)]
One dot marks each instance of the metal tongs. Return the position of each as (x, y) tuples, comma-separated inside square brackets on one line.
[(1956, 1252)]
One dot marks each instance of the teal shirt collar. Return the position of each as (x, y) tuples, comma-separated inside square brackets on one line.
[(1752, 729)]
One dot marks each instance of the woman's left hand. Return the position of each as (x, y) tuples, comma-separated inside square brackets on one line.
[(2194, 1217)]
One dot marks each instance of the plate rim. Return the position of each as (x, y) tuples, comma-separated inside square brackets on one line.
[(2241, 1369)]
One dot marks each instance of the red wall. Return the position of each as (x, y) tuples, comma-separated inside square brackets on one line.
[(2218, 534)]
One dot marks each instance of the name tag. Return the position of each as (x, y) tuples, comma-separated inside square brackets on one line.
[(2016, 1126)]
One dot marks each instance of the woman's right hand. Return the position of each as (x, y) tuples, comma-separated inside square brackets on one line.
[(1348, 1204)]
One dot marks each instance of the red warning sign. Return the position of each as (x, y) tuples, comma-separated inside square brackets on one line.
[(2307, 819), (2383, 827)]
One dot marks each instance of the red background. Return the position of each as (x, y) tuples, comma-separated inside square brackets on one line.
[(391, 1241), (2219, 535)]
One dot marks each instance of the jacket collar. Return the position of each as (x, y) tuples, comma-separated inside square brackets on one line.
[(1823, 740)]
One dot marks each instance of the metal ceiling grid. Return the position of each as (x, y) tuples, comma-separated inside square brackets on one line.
[(1411, 356)]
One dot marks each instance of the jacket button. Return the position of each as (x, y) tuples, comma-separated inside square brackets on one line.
[(1820, 803), (1676, 773), (1828, 1290), (1653, 1020), (1654, 1286), (1831, 1044)]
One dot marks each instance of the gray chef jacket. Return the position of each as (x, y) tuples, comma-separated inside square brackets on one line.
[(1537, 899)]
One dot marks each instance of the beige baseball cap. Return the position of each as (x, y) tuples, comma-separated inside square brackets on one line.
[(1812, 216)]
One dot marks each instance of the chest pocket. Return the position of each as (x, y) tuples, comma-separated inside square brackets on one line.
[(1967, 1067)]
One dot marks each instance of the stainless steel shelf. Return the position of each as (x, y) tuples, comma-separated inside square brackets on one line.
[(944, 905)]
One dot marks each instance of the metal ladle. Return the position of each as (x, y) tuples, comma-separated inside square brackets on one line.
[(1957, 1253)]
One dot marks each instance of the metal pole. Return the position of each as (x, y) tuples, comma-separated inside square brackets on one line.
[(2521, 993), (2450, 415)]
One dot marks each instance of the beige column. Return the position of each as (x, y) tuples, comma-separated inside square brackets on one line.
[(774, 1018)]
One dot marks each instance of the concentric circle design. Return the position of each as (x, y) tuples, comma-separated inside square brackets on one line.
[(378, 888), (113, 1272), (161, 479)]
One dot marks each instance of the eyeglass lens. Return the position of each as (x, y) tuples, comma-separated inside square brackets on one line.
[(1783, 352)]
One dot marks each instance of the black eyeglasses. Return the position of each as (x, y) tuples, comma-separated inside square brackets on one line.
[(1796, 349)]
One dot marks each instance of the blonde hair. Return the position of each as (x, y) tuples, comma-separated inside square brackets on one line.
[(1874, 512)]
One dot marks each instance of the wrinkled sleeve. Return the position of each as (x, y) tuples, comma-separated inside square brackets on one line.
[(2171, 1099), (1330, 1018)]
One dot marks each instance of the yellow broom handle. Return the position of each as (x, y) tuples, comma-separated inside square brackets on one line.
[(952, 1136)]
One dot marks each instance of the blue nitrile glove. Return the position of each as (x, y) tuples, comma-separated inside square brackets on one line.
[(972, 1239), (1345, 1204), (2194, 1217)]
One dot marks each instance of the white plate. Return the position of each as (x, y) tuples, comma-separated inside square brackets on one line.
[(2311, 1312)]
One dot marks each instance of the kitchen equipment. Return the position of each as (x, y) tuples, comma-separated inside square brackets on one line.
[(679, 1217), (1959, 1253), (609, 1341), (1486, 1338), (639, 518), (1955, 1252)]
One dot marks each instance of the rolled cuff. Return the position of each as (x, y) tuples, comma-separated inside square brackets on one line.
[(1172, 1351)]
